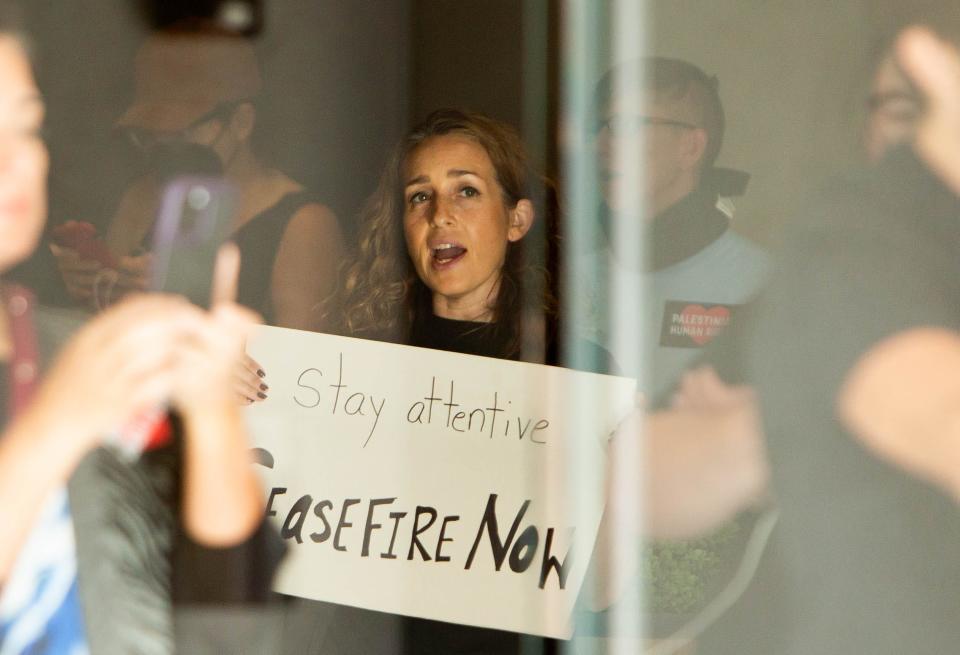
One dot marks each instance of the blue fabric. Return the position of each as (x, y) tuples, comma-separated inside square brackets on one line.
[(40, 610), (730, 271)]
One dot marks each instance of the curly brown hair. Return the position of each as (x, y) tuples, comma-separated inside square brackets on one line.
[(382, 294)]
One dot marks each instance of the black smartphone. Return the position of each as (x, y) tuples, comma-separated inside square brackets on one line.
[(196, 216)]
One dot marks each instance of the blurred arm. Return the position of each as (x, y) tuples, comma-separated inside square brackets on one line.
[(703, 467), (902, 400)]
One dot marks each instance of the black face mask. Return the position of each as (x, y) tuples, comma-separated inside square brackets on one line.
[(170, 160)]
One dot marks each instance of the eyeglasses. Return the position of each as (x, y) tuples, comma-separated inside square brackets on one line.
[(623, 125), (146, 139)]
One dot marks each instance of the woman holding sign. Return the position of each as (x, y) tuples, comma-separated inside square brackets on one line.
[(441, 265)]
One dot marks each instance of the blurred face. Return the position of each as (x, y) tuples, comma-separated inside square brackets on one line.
[(23, 156), (457, 225), (661, 135), (894, 110)]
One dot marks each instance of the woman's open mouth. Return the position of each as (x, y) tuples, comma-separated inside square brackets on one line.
[(446, 254)]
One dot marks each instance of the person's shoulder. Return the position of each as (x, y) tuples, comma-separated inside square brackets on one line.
[(303, 204), (312, 221), (732, 268), (744, 250), (313, 212)]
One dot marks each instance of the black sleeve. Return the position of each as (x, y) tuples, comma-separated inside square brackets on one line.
[(226, 576), (875, 258), (233, 576), (860, 274)]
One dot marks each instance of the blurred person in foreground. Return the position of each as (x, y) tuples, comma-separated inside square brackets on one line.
[(893, 110), (860, 401), (95, 548)]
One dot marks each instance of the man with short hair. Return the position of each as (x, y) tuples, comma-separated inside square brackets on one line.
[(695, 275), (697, 270), (681, 129)]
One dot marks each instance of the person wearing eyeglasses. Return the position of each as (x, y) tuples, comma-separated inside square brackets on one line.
[(194, 110), (693, 284), (667, 115), (658, 137)]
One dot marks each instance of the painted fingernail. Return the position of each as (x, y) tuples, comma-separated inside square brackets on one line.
[(261, 373), (262, 396), (263, 387)]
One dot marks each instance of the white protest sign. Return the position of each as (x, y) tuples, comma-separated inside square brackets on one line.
[(427, 483)]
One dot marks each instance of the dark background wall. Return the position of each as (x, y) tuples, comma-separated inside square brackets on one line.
[(468, 54), (337, 91)]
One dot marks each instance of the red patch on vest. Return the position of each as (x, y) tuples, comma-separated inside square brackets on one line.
[(692, 324), (713, 321)]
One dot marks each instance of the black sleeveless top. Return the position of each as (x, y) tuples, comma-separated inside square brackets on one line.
[(259, 241)]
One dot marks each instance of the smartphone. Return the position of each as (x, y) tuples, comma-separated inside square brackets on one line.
[(82, 237), (195, 218)]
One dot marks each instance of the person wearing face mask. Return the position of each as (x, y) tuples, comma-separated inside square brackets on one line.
[(194, 111)]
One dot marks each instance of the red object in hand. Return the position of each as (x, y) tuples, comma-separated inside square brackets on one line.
[(81, 237), (148, 430), (160, 434)]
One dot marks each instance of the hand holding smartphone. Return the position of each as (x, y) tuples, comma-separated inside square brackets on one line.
[(194, 220), (82, 238)]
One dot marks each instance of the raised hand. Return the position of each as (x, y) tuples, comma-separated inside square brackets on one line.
[(78, 273), (121, 363)]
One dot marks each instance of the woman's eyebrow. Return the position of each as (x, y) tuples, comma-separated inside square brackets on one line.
[(453, 172)]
